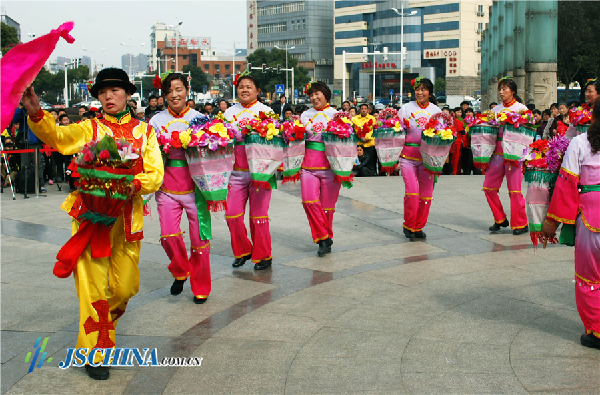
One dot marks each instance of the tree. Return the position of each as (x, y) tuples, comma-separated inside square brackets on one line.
[(440, 85), (269, 79), (147, 86), (576, 61), (9, 37), (198, 77)]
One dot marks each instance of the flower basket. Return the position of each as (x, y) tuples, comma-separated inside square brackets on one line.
[(388, 144), (210, 169), (515, 141), (537, 200), (106, 171), (582, 129), (264, 157), (434, 151), (293, 133), (341, 154), (483, 144)]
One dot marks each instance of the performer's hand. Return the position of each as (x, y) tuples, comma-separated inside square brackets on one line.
[(131, 191), (30, 101), (549, 229), (397, 167)]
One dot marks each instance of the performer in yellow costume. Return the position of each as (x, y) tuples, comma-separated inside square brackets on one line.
[(104, 285)]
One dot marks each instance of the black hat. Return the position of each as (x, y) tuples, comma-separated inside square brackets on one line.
[(112, 77)]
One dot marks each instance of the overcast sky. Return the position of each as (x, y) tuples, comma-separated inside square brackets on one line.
[(107, 23)]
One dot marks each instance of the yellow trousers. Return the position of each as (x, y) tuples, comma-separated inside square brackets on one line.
[(104, 287)]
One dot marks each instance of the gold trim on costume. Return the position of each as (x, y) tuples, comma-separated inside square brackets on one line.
[(518, 227), (173, 235), (243, 255), (499, 222), (316, 168), (239, 169), (514, 192), (408, 157), (329, 209), (201, 296), (321, 239), (176, 120), (569, 172), (411, 194), (260, 260), (490, 189), (264, 216), (183, 278), (310, 201), (234, 216), (425, 198), (563, 220), (412, 230), (588, 226), (176, 192), (201, 247), (586, 280)]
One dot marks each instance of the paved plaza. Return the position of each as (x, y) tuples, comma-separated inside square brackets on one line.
[(462, 312)]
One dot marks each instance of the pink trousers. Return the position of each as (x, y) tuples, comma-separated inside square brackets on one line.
[(587, 277), (319, 196), (418, 194), (240, 191), (514, 179), (197, 266)]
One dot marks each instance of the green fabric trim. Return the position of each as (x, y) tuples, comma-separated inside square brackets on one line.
[(315, 146), (99, 193), (291, 172), (412, 145), (97, 218), (589, 188), (176, 163), (540, 176), (389, 164), (240, 143), (481, 159), (535, 227), (342, 173), (204, 220), (567, 235), (256, 139), (104, 174), (499, 138), (329, 137), (433, 169), (270, 178), (215, 196), (582, 128), (480, 129)]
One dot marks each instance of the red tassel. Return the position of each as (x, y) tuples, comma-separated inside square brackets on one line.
[(261, 184), (294, 178), (388, 169), (482, 166), (147, 210), (433, 173), (341, 179), (511, 162), (216, 206), (535, 238)]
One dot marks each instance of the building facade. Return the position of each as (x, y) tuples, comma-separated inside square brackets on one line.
[(441, 40), (10, 22), (304, 27), (139, 63)]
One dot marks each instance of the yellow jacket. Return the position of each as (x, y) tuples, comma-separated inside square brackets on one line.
[(369, 139), (69, 140)]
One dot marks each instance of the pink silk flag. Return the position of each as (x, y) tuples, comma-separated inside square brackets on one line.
[(20, 66)]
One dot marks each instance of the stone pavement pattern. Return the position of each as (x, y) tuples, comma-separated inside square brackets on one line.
[(464, 311)]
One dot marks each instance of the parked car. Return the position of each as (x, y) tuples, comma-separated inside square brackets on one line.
[(44, 105), (96, 103), (441, 99), (360, 99)]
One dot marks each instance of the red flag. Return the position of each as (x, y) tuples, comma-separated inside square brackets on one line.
[(20, 66)]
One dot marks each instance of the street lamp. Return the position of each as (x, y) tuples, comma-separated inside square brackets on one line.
[(131, 46), (176, 45), (402, 14), (165, 60), (233, 71), (286, 64)]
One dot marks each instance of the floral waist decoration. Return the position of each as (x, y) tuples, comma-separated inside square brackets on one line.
[(547, 154), (485, 118), (186, 139), (292, 130), (363, 126), (440, 125), (341, 125), (535, 156), (389, 118), (516, 119), (580, 116), (265, 125)]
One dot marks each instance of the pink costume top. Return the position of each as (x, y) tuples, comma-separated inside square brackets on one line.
[(315, 123), (513, 106), (177, 180), (239, 115), (417, 118)]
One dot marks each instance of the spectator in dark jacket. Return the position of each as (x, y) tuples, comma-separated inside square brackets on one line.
[(30, 141), (365, 168)]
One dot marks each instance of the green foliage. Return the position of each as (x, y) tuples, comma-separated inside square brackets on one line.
[(147, 86), (577, 33), (272, 58), (48, 85), (198, 78), (9, 37), (439, 85)]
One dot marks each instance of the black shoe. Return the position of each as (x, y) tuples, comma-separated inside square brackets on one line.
[(324, 247), (496, 226), (420, 234), (263, 265), (409, 234), (521, 231), (200, 300), (240, 261), (590, 341), (177, 287), (98, 372)]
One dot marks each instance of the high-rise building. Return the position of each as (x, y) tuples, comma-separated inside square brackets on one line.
[(86, 61), (160, 33), (61, 61), (10, 22), (304, 27), (441, 37), (138, 63)]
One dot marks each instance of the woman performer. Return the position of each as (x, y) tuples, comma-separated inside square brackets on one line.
[(319, 190), (514, 175), (104, 285), (576, 201), (591, 92), (417, 181), (240, 190), (178, 193)]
